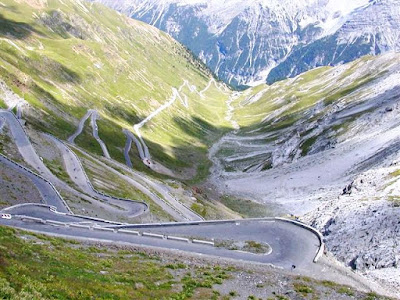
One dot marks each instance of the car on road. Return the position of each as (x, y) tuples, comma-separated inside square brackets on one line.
[(6, 216)]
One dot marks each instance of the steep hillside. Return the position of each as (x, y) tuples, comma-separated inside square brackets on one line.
[(329, 114), (245, 42), (66, 57), (41, 267), (325, 144)]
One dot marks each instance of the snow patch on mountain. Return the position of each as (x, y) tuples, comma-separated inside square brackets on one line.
[(338, 12), (328, 14), (249, 42)]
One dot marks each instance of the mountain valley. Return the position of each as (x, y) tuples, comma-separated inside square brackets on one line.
[(109, 128)]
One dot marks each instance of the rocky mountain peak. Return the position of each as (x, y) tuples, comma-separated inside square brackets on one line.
[(246, 43)]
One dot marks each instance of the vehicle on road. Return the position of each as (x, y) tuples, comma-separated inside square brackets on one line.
[(6, 216)]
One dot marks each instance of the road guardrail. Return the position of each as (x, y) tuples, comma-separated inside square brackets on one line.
[(128, 231), (103, 229), (120, 231), (79, 226), (154, 235), (176, 238), (195, 241), (321, 249)]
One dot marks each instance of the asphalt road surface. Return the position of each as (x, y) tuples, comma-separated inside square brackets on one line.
[(78, 131), (291, 245), (131, 138), (95, 116)]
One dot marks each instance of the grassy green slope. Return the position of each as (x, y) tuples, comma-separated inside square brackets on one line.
[(49, 268), (297, 96), (65, 57)]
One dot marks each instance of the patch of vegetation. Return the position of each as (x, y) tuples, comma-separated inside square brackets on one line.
[(395, 173), (395, 200), (372, 296), (2, 104), (307, 144), (246, 208), (110, 132), (176, 266), (328, 283), (40, 267), (233, 293), (227, 244), (302, 288), (279, 297), (88, 142), (203, 278), (58, 169), (345, 290), (203, 171), (199, 208), (248, 246), (256, 247)]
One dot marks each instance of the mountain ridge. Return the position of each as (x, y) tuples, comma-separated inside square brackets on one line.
[(250, 43)]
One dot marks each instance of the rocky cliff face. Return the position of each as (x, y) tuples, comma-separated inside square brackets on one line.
[(372, 29), (361, 228), (247, 42)]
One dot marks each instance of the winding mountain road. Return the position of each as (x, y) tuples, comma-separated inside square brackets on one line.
[(95, 130), (201, 93), (168, 203), (127, 149), (95, 116), (78, 131), (48, 192), (129, 208), (137, 127), (159, 188), (76, 172), (78, 175), (18, 106), (291, 243), (144, 152), (25, 147), (130, 137)]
